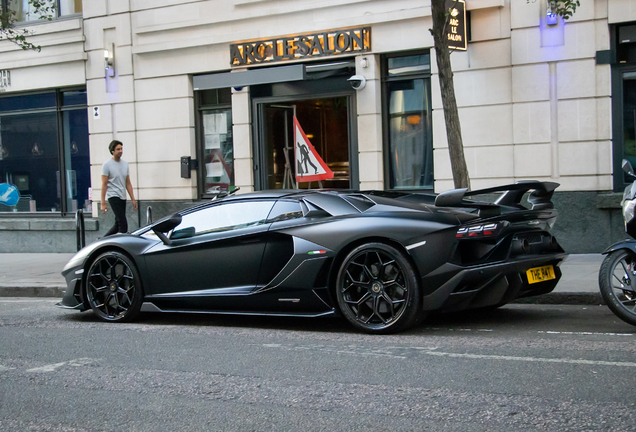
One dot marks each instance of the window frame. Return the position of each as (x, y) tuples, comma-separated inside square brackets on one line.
[(199, 107), (58, 109), (4, 4), (220, 230), (386, 117)]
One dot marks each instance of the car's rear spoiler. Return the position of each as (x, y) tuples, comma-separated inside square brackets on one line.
[(540, 198)]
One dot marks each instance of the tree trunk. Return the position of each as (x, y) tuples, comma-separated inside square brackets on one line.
[(451, 115)]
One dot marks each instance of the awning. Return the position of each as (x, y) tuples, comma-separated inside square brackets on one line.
[(271, 75), (249, 77)]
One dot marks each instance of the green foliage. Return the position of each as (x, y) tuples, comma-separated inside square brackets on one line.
[(564, 8), (43, 9)]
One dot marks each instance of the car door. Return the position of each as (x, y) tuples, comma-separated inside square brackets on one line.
[(215, 251)]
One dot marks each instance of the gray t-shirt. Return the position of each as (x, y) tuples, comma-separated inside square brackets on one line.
[(117, 173)]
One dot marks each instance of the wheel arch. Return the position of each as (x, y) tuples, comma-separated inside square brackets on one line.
[(341, 255), (628, 244), (97, 252)]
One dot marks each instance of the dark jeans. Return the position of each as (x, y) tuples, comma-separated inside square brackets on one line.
[(119, 208)]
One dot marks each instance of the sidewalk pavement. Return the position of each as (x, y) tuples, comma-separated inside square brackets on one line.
[(38, 275)]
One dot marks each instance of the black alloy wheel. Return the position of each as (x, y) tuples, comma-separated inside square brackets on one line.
[(113, 287), (377, 289), (617, 281)]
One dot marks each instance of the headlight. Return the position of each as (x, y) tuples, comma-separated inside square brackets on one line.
[(628, 210)]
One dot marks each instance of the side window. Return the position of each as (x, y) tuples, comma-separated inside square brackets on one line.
[(285, 210), (223, 217)]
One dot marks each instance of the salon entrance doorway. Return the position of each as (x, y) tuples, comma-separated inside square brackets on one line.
[(326, 122)]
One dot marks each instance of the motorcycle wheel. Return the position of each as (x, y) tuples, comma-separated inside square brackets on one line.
[(617, 281)]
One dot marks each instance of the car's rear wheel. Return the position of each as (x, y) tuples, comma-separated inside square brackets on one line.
[(113, 287), (377, 289)]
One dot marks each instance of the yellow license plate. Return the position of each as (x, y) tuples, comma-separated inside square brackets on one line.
[(540, 274)]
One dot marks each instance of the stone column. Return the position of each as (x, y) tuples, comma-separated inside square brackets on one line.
[(242, 139), (369, 111)]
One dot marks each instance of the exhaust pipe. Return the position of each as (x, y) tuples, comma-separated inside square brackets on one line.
[(520, 246), (554, 245)]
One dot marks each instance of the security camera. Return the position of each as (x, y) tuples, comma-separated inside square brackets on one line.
[(357, 82)]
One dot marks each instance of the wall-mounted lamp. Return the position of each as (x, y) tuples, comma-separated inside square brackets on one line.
[(551, 17), (109, 61)]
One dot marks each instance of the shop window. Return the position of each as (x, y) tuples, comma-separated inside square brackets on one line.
[(624, 101), (23, 10), (407, 114), (44, 152), (216, 148)]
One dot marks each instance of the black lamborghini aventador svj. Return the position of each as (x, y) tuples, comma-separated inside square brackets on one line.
[(383, 260)]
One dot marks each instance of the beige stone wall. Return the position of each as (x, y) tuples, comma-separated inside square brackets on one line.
[(60, 63), (160, 44), (532, 101)]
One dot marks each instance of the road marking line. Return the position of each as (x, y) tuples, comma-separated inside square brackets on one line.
[(336, 350), (587, 333), (529, 359), (388, 352), (5, 368), (461, 329), (51, 368), (47, 368)]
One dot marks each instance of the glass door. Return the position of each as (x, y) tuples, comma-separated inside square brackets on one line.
[(325, 121)]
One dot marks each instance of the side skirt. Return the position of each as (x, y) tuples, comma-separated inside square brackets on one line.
[(151, 307)]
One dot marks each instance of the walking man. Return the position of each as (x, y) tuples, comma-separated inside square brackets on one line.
[(115, 183)]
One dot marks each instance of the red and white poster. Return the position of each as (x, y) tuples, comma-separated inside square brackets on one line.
[(309, 165)]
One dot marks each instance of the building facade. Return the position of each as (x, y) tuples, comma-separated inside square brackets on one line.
[(203, 94)]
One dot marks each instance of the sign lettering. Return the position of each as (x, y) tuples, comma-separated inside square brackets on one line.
[(456, 33), (302, 46), (5, 79)]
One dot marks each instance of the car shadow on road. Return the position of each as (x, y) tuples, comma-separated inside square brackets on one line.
[(507, 317)]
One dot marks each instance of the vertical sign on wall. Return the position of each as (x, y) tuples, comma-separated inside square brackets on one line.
[(456, 27), (5, 80)]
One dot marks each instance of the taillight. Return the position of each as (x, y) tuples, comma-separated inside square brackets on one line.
[(478, 231)]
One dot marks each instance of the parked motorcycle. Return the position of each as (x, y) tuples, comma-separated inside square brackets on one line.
[(617, 276)]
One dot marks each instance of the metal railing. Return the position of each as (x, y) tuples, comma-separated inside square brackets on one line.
[(80, 229)]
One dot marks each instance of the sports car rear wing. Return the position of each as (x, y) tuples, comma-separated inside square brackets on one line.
[(540, 198)]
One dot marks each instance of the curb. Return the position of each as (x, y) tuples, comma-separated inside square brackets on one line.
[(563, 298), (43, 291)]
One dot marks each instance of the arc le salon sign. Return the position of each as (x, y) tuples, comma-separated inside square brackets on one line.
[(456, 25), (309, 45)]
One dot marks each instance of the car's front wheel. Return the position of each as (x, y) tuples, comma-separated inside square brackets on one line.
[(113, 287), (377, 289)]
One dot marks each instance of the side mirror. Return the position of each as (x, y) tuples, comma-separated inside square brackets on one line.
[(627, 167), (162, 227), (182, 233)]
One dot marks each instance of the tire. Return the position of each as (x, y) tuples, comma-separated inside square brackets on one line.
[(113, 287), (378, 290), (617, 281)]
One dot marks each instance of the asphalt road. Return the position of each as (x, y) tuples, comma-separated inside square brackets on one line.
[(522, 367)]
